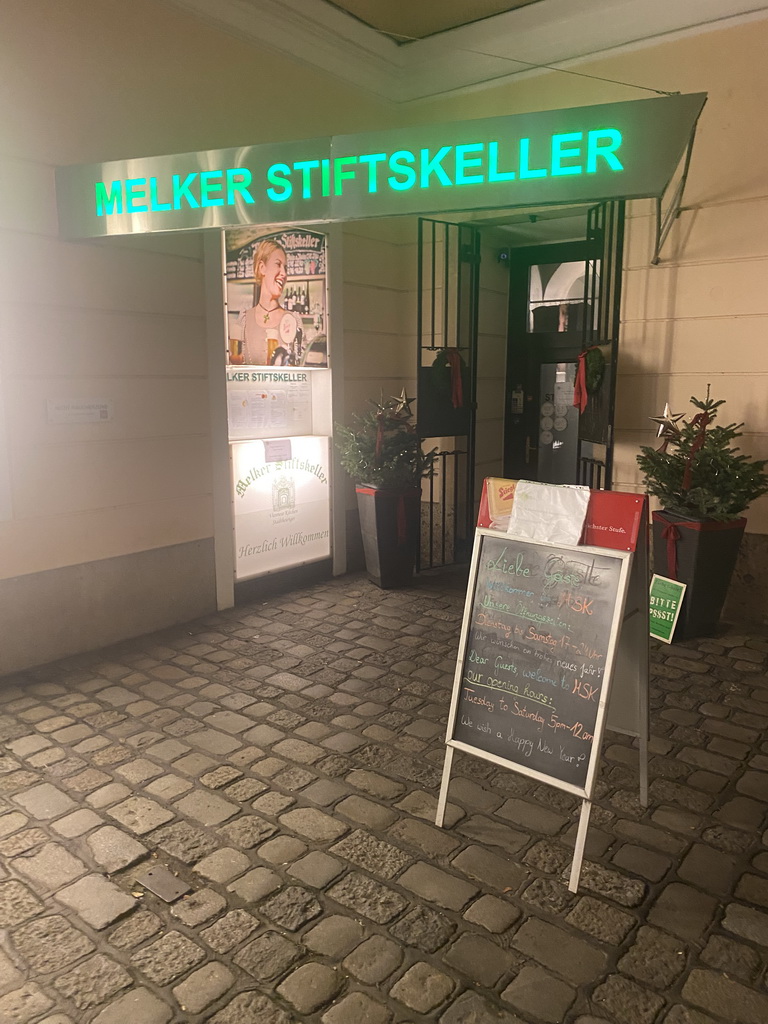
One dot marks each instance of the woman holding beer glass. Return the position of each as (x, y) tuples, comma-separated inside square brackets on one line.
[(261, 324)]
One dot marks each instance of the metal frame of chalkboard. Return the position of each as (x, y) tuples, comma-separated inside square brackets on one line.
[(586, 792)]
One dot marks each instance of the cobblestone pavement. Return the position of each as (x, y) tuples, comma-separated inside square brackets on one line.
[(282, 760)]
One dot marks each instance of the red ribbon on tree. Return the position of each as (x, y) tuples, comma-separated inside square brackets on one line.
[(700, 420), (580, 394), (453, 358)]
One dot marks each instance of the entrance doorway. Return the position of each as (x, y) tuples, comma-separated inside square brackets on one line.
[(546, 326), (564, 306)]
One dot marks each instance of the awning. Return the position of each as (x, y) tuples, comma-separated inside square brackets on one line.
[(625, 150)]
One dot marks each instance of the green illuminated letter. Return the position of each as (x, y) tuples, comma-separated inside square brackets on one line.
[(108, 201), (181, 191), (325, 177), (372, 159), (525, 170), (339, 174), (285, 188), (154, 203), (560, 152), (494, 174), (238, 180), (210, 181), (433, 166), (398, 163), (134, 189), (462, 163), (607, 149), (306, 167)]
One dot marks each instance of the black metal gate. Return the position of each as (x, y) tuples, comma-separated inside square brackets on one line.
[(448, 291), (602, 298)]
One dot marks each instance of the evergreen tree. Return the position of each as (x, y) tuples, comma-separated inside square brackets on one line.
[(703, 476), (382, 448)]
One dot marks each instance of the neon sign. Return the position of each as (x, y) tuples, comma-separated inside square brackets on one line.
[(584, 154), (473, 163)]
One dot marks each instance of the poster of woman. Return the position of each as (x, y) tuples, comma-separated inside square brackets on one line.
[(276, 298)]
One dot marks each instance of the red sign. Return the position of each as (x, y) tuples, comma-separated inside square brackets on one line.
[(614, 518)]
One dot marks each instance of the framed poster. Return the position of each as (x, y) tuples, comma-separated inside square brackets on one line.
[(276, 297), (281, 496)]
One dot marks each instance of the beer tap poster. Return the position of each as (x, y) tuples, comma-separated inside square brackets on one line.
[(536, 655), (276, 298)]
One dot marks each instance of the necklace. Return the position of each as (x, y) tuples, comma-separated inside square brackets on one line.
[(267, 311)]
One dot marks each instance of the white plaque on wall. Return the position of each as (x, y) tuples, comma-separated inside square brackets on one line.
[(79, 410), (282, 508)]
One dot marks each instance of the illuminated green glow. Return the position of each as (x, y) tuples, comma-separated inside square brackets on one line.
[(525, 169), (210, 181), (181, 192), (134, 192), (443, 167), (340, 175), (607, 150), (372, 159), (109, 201), (494, 174), (306, 167), (433, 165), (398, 163), (279, 175), (154, 203), (238, 180), (560, 152), (463, 162)]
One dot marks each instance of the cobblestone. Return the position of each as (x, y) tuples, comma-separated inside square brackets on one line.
[(267, 956), (299, 770), (168, 958), (93, 982), (229, 931), (203, 987), (535, 991), (97, 901), (310, 986), (138, 1006), (24, 1004), (51, 943)]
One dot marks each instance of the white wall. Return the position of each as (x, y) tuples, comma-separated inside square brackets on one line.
[(121, 320)]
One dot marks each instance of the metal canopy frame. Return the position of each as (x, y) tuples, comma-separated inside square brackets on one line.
[(666, 218)]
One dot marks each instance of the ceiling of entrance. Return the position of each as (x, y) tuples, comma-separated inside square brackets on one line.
[(405, 20), (448, 46)]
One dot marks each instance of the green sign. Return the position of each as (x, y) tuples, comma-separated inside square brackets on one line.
[(666, 600), (581, 154)]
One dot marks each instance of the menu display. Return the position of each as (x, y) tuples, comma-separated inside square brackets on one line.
[(537, 653), (268, 403)]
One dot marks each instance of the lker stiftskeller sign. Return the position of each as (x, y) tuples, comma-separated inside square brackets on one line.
[(581, 154)]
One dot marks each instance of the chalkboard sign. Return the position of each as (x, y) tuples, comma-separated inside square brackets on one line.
[(536, 654)]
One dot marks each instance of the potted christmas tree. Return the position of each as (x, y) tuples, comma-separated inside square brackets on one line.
[(704, 483), (383, 455)]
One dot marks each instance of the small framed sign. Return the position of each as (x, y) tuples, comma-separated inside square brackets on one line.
[(666, 601)]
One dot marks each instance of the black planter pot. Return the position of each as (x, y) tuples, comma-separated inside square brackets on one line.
[(705, 554), (389, 521)]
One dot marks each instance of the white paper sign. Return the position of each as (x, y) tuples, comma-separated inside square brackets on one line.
[(79, 410), (268, 402), (553, 513), (282, 508)]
